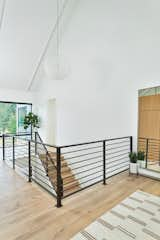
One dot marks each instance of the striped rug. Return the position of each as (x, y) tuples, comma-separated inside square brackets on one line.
[(137, 217)]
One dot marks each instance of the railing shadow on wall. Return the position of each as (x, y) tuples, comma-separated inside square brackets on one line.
[(65, 170)]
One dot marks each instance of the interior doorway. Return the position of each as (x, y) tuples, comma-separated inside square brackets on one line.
[(51, 121)]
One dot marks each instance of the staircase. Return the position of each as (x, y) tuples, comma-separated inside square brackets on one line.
[(69, 182)]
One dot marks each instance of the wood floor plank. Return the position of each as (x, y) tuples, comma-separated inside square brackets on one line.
[(28, 213)]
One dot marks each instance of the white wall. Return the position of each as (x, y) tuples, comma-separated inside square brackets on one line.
[(46, 110), (16, 96), (113, 49)]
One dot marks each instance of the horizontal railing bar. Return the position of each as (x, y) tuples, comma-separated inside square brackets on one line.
[(36, 161), (86, 154), (22, 171), (117, 160), (84, 172), (86, 165), (84, 149), (108, 149), (81, 189), (82, 183), (98, 141), (109, 167), (84, 160), (21, 150), (39, 168), (18, 151), (115, 174), (17, 146), (45, 177), (13, 134), (81, 178), (115, 143), (33, 177), (116, 156), (21, 165), (92, 179), (78, 167), (73, 145), (32, 141), (21, 156), (116, 169), (108, 154), (38, 165)]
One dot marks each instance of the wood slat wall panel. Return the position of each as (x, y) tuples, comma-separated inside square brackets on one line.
[(149, 125)]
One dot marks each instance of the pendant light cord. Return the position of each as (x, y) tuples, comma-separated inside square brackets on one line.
[(2, 13), (58, 22), (60, 15)]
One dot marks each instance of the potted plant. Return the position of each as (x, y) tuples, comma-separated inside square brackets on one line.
[(133, 163), (31, 120), (141, 159)]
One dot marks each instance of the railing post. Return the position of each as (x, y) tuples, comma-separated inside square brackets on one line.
[(13, 152), (35, 143), (104, 162), (29, 162), (131, 144), (159, 155), (147, 141), (3, 146), (59, 182)]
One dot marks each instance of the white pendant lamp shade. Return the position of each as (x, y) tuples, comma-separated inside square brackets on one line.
[(56, 68)]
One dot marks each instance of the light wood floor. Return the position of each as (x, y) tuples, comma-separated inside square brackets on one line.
[(27, 212)]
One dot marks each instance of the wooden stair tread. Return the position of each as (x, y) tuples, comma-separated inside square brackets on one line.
[(71, 184), (71, 190)]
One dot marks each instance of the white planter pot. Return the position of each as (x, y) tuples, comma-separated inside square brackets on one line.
[(141, 164), (134, 168)]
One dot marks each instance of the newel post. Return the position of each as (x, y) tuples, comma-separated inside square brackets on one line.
[(59, 179), (104, 162)]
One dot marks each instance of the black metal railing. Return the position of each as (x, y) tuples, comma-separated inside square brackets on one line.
[(6, 144), (65, 170), (151, 148), (48, 157), (94, 162)]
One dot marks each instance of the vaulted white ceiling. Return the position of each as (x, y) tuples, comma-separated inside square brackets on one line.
[(131, 28), (24, 32)]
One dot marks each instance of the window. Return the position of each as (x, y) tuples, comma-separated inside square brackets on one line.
[(12, 117)]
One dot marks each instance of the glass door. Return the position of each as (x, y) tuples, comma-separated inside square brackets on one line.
[(21, 111)]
